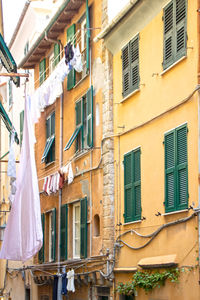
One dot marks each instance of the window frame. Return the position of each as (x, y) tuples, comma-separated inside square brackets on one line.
[(49, 150), (74, 231)]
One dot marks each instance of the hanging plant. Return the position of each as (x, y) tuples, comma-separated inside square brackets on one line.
[(148, 281)]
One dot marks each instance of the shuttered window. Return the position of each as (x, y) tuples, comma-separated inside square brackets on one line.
[(56, 54), (132, 186), (71, 78), (130, 67), (49, 150), (175, 32), (53, 235), (42, 71), (41, 257), (83, 228), (176, 169), (63, 232)]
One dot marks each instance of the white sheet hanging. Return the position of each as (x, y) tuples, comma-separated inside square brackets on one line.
[(23, 234)]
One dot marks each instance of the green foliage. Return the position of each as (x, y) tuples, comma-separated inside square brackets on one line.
[(147, 281)]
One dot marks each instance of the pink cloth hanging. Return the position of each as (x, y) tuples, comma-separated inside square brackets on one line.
[(23, 234)]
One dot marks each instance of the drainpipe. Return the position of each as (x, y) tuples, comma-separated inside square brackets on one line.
[(61, 164)]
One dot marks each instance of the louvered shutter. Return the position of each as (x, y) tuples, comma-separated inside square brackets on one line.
[(56, 54), (41, 257), (181, 169), (87, 37), (128, 188), (71, 78), (170, 180), (79, 120), (180, 33), (53, 234), (125, 70), (168, 35), (83, 228), (89, 97), (134, 64), (42, 71), (21, 125), (137, 185), (63, 232)]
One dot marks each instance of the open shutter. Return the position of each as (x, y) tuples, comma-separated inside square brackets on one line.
[(137, 185), (71, 78), (170, 179), (168, 35), (56, 54), (87, 37), (134, 64), (42, 71), (79, 121), (21, 125), (53, 235), (89, 97), (41, 257), (83, 228), (128, 188), (125, 70), (182, 169), (63, 232), (180, 19), (10, 92)]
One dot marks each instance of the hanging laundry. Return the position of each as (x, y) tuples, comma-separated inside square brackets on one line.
[(64, 284), (69, 53), (55, 287), (23, 234), (11, 171), (78, 65), (68, 170), (61, 181), (70, 283), (59, 295)]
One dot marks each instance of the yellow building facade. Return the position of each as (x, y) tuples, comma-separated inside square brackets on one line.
[(155, 48)]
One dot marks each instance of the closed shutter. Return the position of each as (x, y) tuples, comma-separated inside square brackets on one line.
[(137, 185), (181, 170), (87, 37), (21, 125), (41, 256), (134, 64), (56, 54), (170, 180), (89, 97), (125, 70), (63, 232), (53, 235), (71, 78), (180, 19), (168, 35), (42, 71), (128, 188), (83, 228)]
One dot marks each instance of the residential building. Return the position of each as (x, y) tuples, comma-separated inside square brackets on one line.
[(74, 141), (155, 50)]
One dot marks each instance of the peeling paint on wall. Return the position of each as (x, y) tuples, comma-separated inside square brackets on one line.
[(97, 75)]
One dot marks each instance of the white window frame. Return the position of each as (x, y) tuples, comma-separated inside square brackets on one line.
[(51, 63), (76, 255)]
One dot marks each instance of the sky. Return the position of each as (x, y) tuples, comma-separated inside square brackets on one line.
[(12, 10)]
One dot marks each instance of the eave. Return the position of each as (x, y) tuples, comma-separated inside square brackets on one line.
[(56, 26)]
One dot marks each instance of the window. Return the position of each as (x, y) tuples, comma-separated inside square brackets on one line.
[(83, 133), (80, 229), (41, 252), (176, 169), (54, 58), (175, 33), (132, 186), (21, 125), (49, 150), (42, 71), (63, 232), (130, 67)]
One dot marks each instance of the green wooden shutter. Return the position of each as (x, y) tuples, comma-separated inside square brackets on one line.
[(56, 54), (168, 35), (10, 92), (182, 168), (79, 120), (41, 257), (180, 32), (89, 97), (137, 185), (134, 64), (170, 180), (87, 37), (42, 71), (83, 228), (125, 70), (53, 234), (128, 188), (21, 125), (63, 232), (71, 78)]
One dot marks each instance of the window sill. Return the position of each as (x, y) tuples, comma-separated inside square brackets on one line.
[(49, 164), (128, 96), (133, 222), (80, 154), (175, 212), (81, 80), (173, 65)]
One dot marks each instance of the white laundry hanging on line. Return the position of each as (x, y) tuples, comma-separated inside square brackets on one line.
[(23, 236), (68, 170), (11, 170), (70, 283)]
